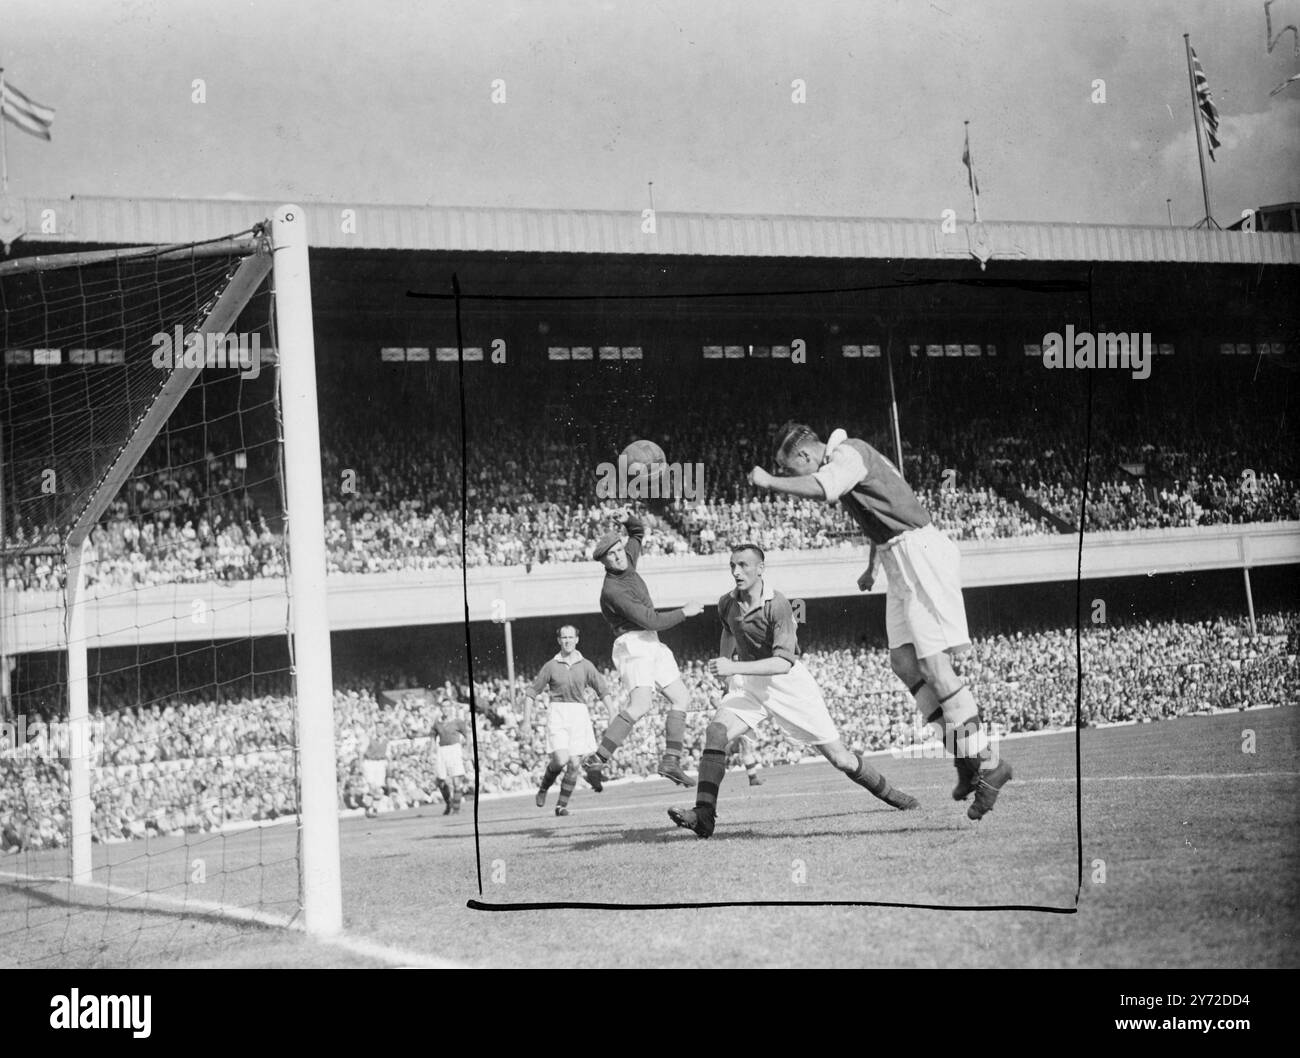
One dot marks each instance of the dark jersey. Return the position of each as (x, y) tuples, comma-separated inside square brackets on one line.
[(450, 732), (566, 680), (625, 600), (870, 488), (765, 631)]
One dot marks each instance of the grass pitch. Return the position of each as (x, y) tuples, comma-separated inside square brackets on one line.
[(1190, 854)]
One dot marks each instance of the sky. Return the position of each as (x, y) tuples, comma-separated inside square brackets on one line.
[(390, 101)]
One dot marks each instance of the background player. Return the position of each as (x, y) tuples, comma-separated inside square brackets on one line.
[(450, 731), (642, 661), (925, 616), (768, 680), (742, 748), (569, 735)]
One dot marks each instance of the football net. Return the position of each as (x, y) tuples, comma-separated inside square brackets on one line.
[(166, 739)]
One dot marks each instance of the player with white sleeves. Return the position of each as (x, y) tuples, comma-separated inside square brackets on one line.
[(925, 616)]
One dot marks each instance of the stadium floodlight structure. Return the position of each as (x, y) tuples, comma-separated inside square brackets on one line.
[(73, 438)]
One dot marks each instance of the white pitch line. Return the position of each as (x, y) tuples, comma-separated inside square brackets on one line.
[(1180, 778), (629, 806), (356, 945)]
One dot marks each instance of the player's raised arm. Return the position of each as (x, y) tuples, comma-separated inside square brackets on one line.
[(635, 535), (811, 469), (803, 487)]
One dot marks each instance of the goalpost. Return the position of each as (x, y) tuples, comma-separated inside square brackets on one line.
[(99, 428)]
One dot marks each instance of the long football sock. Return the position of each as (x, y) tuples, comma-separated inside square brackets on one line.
[(867, 777), (552, 773), (966, 729), (713, 766), (674, 733), (570, 781), (619, 728), (927, 704), (445, 790)]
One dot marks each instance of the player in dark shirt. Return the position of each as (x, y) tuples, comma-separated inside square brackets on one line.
[(643, 663), (565, 678), (925, 616), (759, 657), (449, 731)]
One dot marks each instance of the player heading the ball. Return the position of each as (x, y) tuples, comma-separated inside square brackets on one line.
[(643, 663), (759, 658), (925, 616)]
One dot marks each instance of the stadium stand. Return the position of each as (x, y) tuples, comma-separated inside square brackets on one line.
[(197, 763), (1164, 457)]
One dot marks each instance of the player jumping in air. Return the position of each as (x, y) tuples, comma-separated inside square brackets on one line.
[(568, 728), (642, 661), (768, 680), (925, 616), (448, 732)]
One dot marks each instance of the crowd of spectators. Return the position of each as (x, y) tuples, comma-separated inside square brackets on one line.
[(985, 459), (190, 764)]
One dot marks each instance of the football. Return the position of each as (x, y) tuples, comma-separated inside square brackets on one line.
[(642, 452)]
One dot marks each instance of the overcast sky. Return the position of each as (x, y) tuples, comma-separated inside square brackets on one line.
[(354, 101)]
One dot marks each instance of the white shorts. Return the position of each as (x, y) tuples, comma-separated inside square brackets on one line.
[(375, 772), (792, 699), (643, 661), (451, 762), (569, 729), (923, 605)]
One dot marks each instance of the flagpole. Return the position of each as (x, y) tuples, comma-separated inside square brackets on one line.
[(1200, 145), (4, 146)]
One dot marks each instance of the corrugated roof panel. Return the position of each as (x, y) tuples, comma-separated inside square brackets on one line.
[(379, 227)]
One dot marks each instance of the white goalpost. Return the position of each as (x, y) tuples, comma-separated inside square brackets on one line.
[(321, 886)]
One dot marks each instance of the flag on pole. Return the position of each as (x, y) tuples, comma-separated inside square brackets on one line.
[(23, 111), (970, 172), (1205, 104), (970, 169)]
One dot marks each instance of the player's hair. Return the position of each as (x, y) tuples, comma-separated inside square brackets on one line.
[(560, 630), (790, 436), (747, 546)]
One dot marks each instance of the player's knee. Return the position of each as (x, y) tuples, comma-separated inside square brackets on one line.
[(937, 671), (904, 664), (842, 758), (715, 736), (571, 768)]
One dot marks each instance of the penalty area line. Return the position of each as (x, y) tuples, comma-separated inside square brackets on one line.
[(362, 946)]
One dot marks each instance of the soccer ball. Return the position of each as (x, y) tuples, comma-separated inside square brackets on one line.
[(642, 452)]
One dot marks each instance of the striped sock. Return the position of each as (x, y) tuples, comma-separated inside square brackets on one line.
[(552, 773), (619, 728), (867, 776), (674, 733), (570, 781), (713, 766)]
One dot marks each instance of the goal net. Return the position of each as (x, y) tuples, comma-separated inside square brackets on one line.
[(162, 764)]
